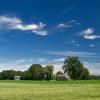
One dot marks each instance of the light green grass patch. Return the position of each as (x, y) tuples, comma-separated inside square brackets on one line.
[(48, 90)]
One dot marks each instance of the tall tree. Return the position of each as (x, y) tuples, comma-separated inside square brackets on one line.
[(48, 71), (36, 72), (74, 68)]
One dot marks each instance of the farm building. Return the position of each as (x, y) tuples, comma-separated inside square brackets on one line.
[(16, 77), (62, 77)]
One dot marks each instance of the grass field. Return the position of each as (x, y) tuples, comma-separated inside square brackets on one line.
[(50, 90)]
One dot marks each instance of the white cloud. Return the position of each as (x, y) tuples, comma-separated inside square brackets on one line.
[(62, 25), (20, 61), (29, 27), (94, 68), (87, 31), (91, 37), (40, 32), (95, 72), (68, 24), (25, 27), (74, 43), (4, 19), (16, 23), (88, 34), (20, 64), (57, 67), (24, 64), (13, 66), (59, 60), (73, 53)]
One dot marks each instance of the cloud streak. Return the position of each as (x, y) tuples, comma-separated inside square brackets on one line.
[(70, 8), (68, 24), (91, 45), (73, 53), (59, 60)]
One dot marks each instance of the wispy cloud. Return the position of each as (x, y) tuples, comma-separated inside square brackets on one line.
[(13, 23), (74, 53), (74, 43), (89, 34), (40, 32), (66, 25), (63, 25), (58, 60), (88, 31), (20, 61)]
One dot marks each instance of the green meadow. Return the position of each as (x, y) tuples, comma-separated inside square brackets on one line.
[(50, 90)]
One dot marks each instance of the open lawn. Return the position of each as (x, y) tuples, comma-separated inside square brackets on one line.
[(50, 90)]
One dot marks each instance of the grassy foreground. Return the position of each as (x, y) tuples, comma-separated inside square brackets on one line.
[(50, 90)]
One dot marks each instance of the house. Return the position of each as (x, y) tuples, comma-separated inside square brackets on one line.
[(62, 77), (16, 77)]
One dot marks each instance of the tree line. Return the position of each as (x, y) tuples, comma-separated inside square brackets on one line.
[(35, 72), (72, 66)]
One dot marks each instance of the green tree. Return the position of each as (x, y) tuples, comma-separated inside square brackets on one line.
[(8, 74), (48, 71), (24, 75), (74, 68), (36, 72), (85, 73)]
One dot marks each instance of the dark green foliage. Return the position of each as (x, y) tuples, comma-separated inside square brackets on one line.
[(48, 72), (8, 74), (26, 75), (36, 72), (85, 74), (94, 77), (75, 68)]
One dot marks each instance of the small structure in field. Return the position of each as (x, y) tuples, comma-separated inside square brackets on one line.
[(62, 76), (16, 77)]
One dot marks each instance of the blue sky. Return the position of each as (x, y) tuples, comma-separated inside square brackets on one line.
[(47, 31)]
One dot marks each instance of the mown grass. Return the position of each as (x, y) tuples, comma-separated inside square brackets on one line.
[(50, 90), (53, 82)]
